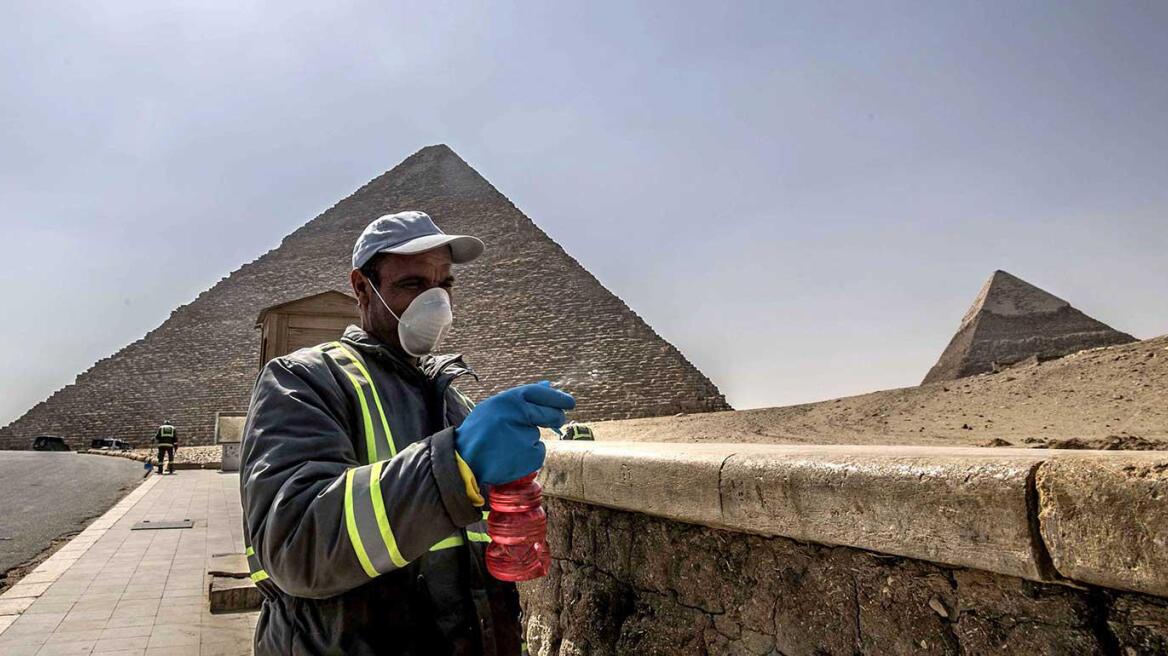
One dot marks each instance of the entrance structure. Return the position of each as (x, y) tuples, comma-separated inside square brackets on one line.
[(510, 325), (304, 322)]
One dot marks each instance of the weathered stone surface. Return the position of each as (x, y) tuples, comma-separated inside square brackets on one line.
[(1105, 521), (678, 483), (1102, 515), (947, 506), (563, 471), (230, 594), (626, 583), (1004, 615), (232, 565), (1140, 623), (203, 359), (1011, 321), (962, 506)]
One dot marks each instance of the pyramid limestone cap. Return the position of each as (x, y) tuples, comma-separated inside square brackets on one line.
[(1009, 296)]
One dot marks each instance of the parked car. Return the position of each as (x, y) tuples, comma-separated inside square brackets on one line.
[(49, 443), (111, 444)]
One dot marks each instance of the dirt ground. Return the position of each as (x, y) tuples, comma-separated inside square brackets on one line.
[(1108, 398)]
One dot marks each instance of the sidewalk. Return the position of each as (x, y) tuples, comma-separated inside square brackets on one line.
[(116, 591)]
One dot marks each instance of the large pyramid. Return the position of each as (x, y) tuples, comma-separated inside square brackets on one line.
[(1012, 320), (526, 310)]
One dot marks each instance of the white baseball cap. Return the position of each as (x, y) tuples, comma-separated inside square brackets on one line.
[(410, 233)]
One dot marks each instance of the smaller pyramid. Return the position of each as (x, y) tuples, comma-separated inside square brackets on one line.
[(1011, 321)]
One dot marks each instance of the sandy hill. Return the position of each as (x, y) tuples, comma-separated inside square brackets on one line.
[(1110, 397)]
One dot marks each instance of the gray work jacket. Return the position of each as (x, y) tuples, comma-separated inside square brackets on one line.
[(359, 530)]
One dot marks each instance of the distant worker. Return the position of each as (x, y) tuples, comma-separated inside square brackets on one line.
[(167, 439), (362, 466)]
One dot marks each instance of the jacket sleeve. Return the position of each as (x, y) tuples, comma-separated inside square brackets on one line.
[(320, 522)]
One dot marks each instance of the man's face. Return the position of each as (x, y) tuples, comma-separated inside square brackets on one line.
[(401, 278)]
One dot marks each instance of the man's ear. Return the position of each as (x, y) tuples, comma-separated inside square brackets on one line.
[(360, 287)]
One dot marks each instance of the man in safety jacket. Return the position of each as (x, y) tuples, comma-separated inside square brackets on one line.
[(364, 520), (166, 438)]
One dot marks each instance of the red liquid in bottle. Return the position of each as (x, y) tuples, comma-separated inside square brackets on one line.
[(518, 528)]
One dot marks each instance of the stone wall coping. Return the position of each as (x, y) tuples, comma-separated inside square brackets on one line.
[(1040, 514)]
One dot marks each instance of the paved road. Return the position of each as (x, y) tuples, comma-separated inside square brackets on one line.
[(44, 495)]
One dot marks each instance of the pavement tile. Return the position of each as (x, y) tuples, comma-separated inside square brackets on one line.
[(127, 632), (66, 648), (46, 606), (226, 649), (84, 610), (92, 627), (15, 606), (142, 606), (174, 635), (23, 589), (30, 633), (19, 650), (46, 622), (37, 576), (142, 593), (66, 633), (106, 645), (90, 598), (185, 650), (118, 620)]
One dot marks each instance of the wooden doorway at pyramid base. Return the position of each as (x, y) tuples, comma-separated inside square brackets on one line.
[(305, 322)]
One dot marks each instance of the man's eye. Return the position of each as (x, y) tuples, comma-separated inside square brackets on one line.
[(408, 284)]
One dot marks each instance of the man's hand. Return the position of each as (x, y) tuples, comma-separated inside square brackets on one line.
[(499, 439)]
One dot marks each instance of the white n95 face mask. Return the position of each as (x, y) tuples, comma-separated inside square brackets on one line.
[(424, 323)]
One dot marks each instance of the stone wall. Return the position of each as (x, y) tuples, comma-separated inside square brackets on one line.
[(526, 310), (745, 549), (628, 583)]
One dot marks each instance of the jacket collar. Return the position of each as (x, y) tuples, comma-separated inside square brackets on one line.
[(431, 367)]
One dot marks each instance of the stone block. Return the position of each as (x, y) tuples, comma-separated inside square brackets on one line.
[(1105, 520), (232, 565), (960, 507), (563, 471), (229, 595), (678, 482)]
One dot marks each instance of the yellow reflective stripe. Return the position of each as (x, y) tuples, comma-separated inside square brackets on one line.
[(456, 540), (382, 518), (449, 543), (250, 552), (259, 576), (468, 480), (351, 526), (370, 439), (376, 397)]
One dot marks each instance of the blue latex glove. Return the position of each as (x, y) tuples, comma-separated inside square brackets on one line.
[(499, 439)]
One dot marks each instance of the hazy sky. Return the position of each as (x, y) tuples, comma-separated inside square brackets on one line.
[(804, 198)]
